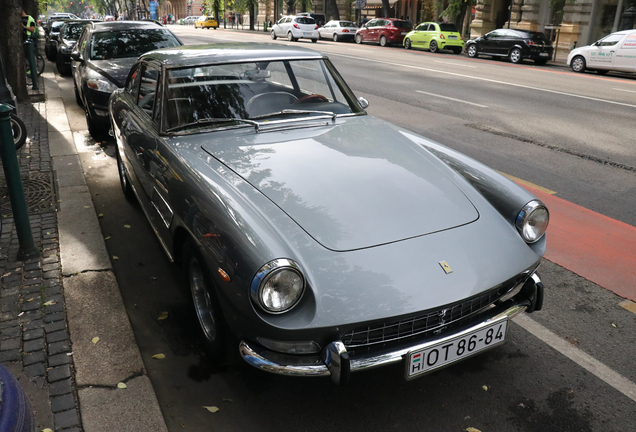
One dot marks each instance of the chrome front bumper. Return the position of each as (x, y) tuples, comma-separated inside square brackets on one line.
[(334, 360)]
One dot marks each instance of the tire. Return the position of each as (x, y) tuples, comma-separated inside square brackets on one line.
[(578, 64), (382, 40), (78, 99), (62, 69), (358, 39), (407, 43), (515, 56), (432, 47), (273, 35), (290, 37), (314, 40), (541, 62), (335, 37), (47, 52), (94, 129), (124, 180), (472, 51), (19, 131), (216, 335)]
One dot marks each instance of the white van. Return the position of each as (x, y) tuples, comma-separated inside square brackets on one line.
[(616, 52)]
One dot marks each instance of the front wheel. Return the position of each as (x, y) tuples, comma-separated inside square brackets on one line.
[(433, 47), (94, 129), (472, 51), (358, 39), (515, 56), (578, 64), (407, 43), (78, 99), (273, 35), (382, 40), (19, 131)]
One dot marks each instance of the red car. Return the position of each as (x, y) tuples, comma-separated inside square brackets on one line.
[(384, 31)]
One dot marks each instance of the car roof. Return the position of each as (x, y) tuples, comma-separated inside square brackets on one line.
[(195, 55), (124, 25)]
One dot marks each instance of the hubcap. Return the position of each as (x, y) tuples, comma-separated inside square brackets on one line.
[(433, 46), (408, 43), (202, 301), (577, 65), (514, 56), (472, 50)]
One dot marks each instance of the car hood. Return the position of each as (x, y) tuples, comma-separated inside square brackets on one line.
[(116, 70), (345, 186)]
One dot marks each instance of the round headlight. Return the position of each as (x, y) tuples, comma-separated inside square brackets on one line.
[(532, 221), (278, 286)]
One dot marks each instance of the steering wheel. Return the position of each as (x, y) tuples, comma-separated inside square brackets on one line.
[(311, 97)]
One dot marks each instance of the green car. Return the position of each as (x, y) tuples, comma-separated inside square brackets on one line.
[(435, 37)]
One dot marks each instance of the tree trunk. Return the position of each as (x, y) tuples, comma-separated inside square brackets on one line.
[(386, 8), (252, 12), (332, 11), (291, 5), (460, 18), (11, 46)]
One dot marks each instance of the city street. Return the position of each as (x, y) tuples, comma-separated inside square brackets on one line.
[(570, 367)]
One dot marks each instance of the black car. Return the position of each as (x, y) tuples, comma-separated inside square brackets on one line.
[(516, 45), (51, 40), (69, 33), (102, 58)]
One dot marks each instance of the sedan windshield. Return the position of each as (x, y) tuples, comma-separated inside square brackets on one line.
[(129, 43), (73, 31), (248, 91)]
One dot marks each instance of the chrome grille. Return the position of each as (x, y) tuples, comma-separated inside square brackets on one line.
[(426, 322)]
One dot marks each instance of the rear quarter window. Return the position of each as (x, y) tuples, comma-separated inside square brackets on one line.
[(446, 27)]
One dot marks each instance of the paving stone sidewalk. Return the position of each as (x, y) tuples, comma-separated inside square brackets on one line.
[(34, 335)]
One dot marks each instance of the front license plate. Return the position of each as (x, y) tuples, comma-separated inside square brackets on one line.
[(543, 54), (453, 350)]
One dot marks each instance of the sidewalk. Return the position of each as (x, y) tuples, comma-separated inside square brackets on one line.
[(53, 308)]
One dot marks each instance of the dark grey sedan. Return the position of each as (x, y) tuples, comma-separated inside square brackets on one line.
[(316, 239)]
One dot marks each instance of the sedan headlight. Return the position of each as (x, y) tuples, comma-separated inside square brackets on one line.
[(532, 221), (97, 81), (278, 286)]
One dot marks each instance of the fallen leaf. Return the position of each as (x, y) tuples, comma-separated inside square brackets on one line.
[(69, 354), (485, 388), (163, 315), (31, 299), (115, 257), (153, 277), (100, 215), (107, 238), (95, 339), (212, 409), (49, 303), (47, 430), (126, 226), (472, 429), (121, 385), (522, 405), (52, 256), (613, 325), (87, 206), (227, 400), (21, 313), (159, 356), (48, 233)]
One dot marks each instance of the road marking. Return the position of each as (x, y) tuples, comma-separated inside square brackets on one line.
[(629, 305), (527, 183), (623, 90), (450, 98), (456, 64), (579, 357), (442, 73)]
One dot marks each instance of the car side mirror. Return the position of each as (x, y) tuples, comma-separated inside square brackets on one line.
[(363, 102), (75, 55), (597, 43)]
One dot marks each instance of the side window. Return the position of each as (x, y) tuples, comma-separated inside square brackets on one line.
[(132, 84), (612, 40), (81, 42), (148, 89)]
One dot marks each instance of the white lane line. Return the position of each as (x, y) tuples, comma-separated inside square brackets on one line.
[(450, 98), (629, 91), (455, 64), (584, 360), (446, 73)]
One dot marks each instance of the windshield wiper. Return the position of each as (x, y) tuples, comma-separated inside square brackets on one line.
[(293, 111), (213, 120)]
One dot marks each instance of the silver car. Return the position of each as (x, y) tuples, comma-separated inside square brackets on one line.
[(338, 30), (316, 239), (295, 27)]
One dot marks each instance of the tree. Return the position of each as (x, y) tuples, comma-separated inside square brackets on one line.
[(332, 12), (456, 11), (386, 8), (12, 48)]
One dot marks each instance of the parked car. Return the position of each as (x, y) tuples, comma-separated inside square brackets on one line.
[(56, 17), (326, 241), (206, 22), (434, 37), (385, 31), (50, 40), (296, 27), (338, 30), (102, 57), (319, 18), (190, 20), (109, 18), (615, 52), (69, 33), (516, 45)]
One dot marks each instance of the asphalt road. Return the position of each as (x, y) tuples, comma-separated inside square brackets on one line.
[(547, 137)]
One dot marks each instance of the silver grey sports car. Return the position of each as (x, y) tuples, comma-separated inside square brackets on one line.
[(316, 239)]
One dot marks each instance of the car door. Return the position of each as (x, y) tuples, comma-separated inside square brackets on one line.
[(625, 58), (417, 35), (602, 54), (427, 36), (490, 43), (369, 28)]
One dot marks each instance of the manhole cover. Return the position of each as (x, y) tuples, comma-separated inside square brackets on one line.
[(38, 193)]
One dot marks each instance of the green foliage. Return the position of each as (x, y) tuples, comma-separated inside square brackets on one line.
[(456, 8)]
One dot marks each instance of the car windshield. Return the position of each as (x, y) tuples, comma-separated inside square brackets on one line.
[(129, 43), (73, 31), (305, 20), (446, 27), (56, 26), (347, 24), (248, 91)]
